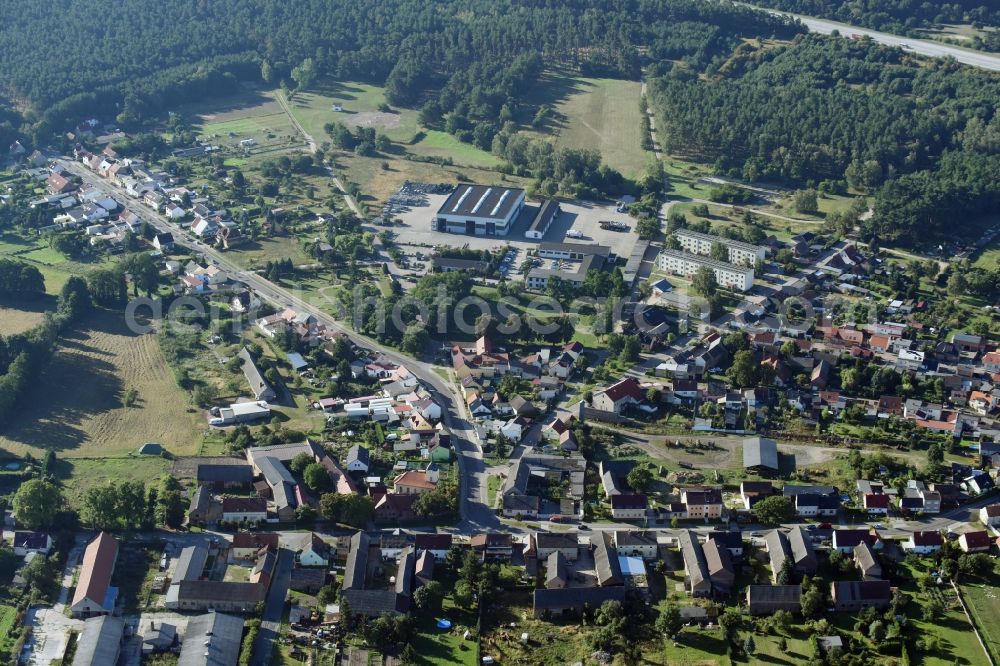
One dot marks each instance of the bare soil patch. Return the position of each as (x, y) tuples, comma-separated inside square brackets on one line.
[(379, 119)]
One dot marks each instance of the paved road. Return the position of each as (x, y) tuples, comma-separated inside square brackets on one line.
[(270, 624), (922, 47), (474, 511)]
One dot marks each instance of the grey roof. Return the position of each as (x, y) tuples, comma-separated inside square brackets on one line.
[(802, 549), (865, 559), (546, 212), (280, 479), (720, 566), (274, 471), (635, 538), (485, 202), (472, 265), (358, 453), (297, 362), (236, 472), (576, 597), (778, 549), (694, 558), (258, 384), (556, 540), (760, 452), (577, 248), (373, 603), (609, 571), (211, 592), (190, 563), (788, 596), (100, 641), (405, 570), (555, 568), (357, 562), (212, 639)]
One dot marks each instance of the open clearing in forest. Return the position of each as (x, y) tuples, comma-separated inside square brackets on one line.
[(75, 404)]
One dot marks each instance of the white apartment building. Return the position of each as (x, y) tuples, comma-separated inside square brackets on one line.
[(729, 276), (740, 253)]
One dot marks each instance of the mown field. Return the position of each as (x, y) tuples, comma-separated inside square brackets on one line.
[(360, 103), (252, 114), (595, 114), (983, 601), (15, 318), (76, 404)]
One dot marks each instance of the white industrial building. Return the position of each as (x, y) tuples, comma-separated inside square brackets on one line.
[(729, 276), (548, 211), (242, 412), (480, 210), (740, 253)]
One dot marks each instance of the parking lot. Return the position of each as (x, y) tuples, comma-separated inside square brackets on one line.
[(581, 218)]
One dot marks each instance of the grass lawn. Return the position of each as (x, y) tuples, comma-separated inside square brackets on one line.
[(360, 103), (441, 144), (81, 474), (443, 647), (257, 253), (983, 601), (595, 114), (696, 647), (379, 183), (989, 258), (75, 404)]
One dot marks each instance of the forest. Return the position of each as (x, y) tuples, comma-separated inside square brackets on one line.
[(925, 138), (903, 17), (132, 59)]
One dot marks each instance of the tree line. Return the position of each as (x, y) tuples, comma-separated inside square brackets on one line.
[(925, 138), (902, 17), (477, 53), (23, 355)]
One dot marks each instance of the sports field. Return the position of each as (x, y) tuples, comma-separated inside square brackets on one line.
[(75, 405), (595, 114)]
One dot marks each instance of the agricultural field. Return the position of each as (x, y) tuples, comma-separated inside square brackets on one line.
[(56, 268), (76, 405), (595, 114), (18, 318)]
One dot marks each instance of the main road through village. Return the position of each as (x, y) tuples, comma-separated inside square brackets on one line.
[(476, 514), (474, 510)]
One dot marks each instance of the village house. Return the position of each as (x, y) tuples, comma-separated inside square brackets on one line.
[(618, 396), (94, 594)]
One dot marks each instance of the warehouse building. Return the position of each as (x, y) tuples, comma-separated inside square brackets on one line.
[(241, 412), (480, 210), (740, 253), (729, 276), (548, 211)]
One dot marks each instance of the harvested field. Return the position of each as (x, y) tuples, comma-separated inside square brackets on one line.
[(75, 406), (16, 320)]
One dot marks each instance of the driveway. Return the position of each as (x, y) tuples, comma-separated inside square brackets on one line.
[(50, 626), (270, 624)]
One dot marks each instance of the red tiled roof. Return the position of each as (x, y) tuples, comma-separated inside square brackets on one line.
[(96, 569), (628, 387)]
